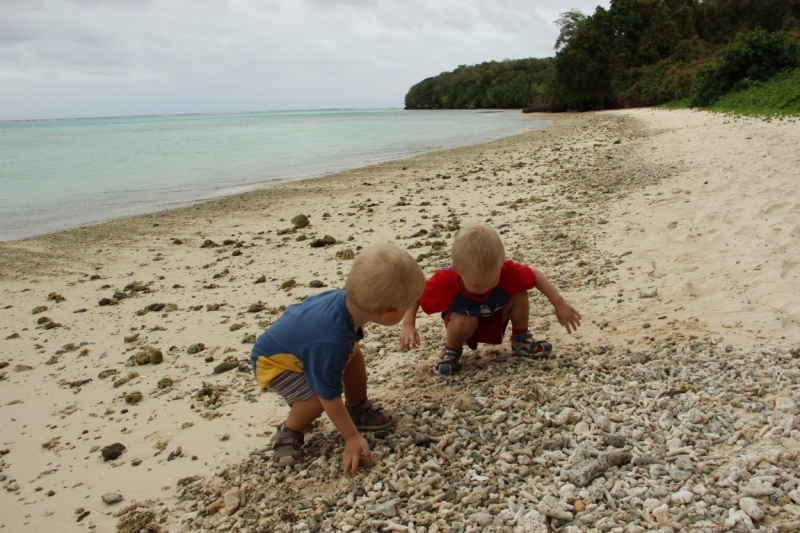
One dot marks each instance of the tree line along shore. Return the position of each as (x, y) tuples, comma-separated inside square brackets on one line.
[(679, 53)]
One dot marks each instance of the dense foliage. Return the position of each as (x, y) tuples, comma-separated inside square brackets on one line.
[(494, 84), (644, 52), (779, 97), (752, 57), (636, 52)]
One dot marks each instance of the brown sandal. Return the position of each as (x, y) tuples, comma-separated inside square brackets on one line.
[(366, 415), (287, 447)]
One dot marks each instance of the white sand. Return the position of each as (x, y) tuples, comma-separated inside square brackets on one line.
[(726, 271)]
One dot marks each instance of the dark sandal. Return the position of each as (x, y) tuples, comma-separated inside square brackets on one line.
[(366, 415), (287, 447)]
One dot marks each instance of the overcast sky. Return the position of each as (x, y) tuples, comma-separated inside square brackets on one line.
[(88, 58)]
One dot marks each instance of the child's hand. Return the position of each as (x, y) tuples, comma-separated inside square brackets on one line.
[(354, 447), (409, 338), (567, 316)]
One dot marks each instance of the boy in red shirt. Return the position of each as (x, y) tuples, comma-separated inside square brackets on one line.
[(479, 294)]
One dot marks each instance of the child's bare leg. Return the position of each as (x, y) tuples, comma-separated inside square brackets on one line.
[(518, 310), (303, 413), (365, 414), (522, 342), (459, 329), (355, 379)]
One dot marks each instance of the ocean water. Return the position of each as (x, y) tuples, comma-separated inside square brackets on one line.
[(59, 174)]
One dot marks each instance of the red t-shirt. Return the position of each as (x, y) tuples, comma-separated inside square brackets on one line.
[(443, 293)]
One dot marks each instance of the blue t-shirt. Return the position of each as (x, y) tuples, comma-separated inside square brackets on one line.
[(316, 337)]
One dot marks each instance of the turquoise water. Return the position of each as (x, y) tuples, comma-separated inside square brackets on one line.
[(59, 174)]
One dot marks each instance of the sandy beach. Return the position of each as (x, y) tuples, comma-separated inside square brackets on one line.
[(666, 230)]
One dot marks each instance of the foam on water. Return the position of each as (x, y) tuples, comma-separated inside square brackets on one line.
[(58, 174)]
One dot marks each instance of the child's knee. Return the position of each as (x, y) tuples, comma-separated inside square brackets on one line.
[(462, 321), (522, 295)]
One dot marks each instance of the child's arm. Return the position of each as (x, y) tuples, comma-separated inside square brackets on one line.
[(354, 443), (409, 338), (566, 314)]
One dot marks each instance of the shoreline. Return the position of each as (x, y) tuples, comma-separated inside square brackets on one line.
[(151, 199), (593, 214)]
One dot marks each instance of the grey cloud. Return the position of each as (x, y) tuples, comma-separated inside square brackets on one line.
[(60, 58)]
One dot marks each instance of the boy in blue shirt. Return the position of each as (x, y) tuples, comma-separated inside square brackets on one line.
[(311, 354)]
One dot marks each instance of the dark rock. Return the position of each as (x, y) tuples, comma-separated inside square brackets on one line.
[(107, 301), (196, 348), (83, 515), (316, 284), (155, 308), (81, 310), (255, 308), (227, 242), (136, 286), (618, 457), (133, 397), (260, 279), (236, 253), (617, 441), (327, 240), (208, 243), (225, 366), (421, 439), (112, 451), (106, 373), (151, 355), (111, 498), (300, 221)]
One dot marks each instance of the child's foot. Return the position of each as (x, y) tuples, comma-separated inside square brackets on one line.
[(524, 345), (448, 362), (368, 416), (287, 447)]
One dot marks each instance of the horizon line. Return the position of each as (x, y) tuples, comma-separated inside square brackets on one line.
[(110, 117)]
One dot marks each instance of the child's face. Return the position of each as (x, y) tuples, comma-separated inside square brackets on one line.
[(479, 284)]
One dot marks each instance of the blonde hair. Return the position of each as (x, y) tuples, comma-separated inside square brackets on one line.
[(384, 277), (478, 250)]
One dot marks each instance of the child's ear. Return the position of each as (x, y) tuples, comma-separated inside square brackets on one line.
[(388, 314)]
